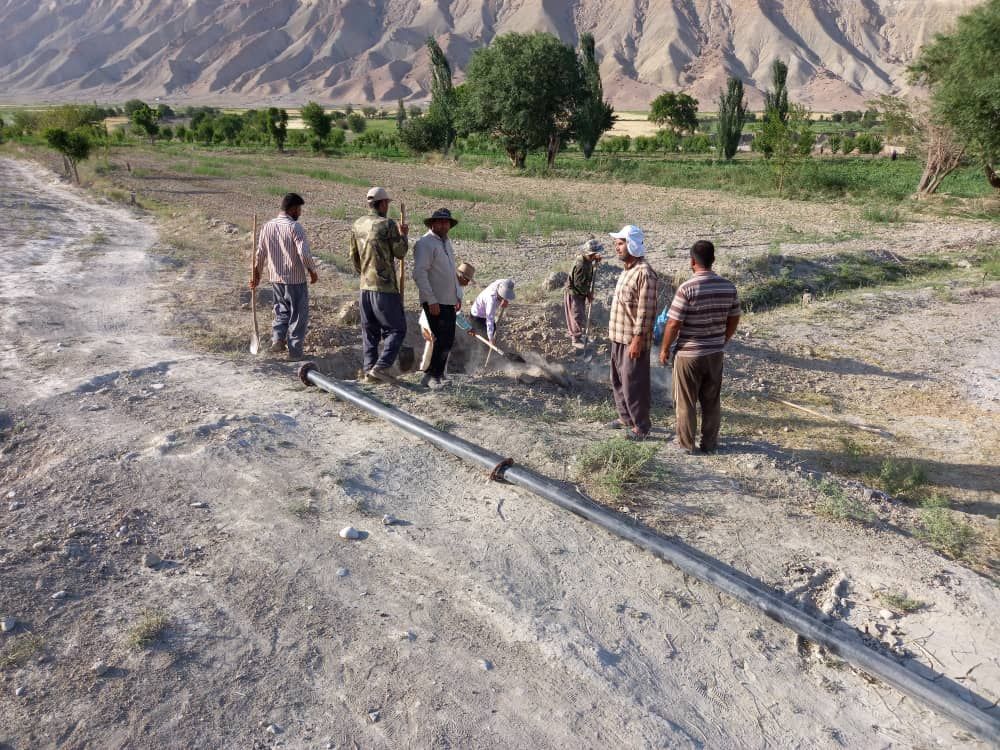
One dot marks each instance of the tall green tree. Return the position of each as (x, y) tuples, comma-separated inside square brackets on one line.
[(444, 103), (593, 116), (73, 145), (790, 141), (277, 126), (732, 115), (319, 123), (400, 113), (522, 90), (146, 120), (962, 70), (776, 100), (679, 112)]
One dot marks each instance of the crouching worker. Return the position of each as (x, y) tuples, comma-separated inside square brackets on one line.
[(486, 309), (580, 290), (376, 243)]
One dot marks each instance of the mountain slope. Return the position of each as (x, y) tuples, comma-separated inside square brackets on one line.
[(839, 52)]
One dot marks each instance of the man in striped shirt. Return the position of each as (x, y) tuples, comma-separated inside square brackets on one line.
[(702, 319), (633, 310), (283, 246)]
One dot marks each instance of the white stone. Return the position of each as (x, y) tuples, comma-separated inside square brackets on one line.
[(157, 386), (20, 691), (273, 729), (99, 668), (885, 614), (349, 532), (60, 595), (199, 504), (342, 572), (151, 559), (15, 506), (388, 520), (7, 624)]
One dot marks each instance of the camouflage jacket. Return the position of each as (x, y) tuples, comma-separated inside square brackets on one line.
[(375, 245), (581, 277)]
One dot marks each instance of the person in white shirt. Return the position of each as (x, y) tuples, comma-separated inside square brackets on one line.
[(488, 305)]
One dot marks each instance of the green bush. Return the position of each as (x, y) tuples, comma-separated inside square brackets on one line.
[(612, 465)]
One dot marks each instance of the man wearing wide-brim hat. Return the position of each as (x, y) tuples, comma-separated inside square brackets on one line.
[(377, 242), (435, 274)]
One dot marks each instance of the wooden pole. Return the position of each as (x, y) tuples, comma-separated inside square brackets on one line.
[(402, 261)]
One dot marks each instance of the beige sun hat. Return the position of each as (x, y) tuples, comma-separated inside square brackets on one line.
[(377, 194), (467, 270)]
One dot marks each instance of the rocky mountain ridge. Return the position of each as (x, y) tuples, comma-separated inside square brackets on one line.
[(840, 52)]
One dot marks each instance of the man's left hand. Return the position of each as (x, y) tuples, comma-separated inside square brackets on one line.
[(404, 229), (635, 348), (313, 277)]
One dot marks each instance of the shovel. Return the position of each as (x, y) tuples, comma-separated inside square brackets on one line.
[(255, 336), (407, 357)]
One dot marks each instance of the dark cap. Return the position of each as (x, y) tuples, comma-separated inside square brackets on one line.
[(441, 213)]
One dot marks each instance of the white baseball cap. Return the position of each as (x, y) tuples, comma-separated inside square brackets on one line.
[(634, 239), (377, 194)]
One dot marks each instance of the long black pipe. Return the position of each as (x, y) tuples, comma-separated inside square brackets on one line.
[(748, 590)]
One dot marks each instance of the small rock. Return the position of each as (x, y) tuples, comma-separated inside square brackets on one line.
[(374, 716), (388, 520), (349, 313), (786, 429), (39, 545), (99, 668), (556, 280), (95, 407), (486, 664), (151, 559), (11, 494), (157, 386), (349, 532), (408, 635), (342, 572), (274, 729), (20, 691), (7, 624), (199, 504), (15, 506), (59, 595), (867, 494), (885, 614)]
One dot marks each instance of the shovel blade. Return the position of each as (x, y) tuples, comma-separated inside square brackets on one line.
[(254, 343)]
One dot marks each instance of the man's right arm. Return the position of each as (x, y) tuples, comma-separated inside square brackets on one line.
[(259, 259), (422, 253), (731, 322), (355, 252)]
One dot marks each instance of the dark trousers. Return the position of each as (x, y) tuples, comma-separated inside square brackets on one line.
[(382, 318), (443, 328), (631, 387), (576, 315), (698, 380), (291, 315)]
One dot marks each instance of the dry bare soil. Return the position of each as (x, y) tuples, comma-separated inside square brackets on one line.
[(134, 423)]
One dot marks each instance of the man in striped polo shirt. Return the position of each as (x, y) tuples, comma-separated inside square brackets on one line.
[(283, 247), (703, 317)]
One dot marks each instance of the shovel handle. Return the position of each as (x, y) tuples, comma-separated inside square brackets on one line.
[(402, 264)]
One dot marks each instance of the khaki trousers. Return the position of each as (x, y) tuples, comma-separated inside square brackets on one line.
[(698, 380)]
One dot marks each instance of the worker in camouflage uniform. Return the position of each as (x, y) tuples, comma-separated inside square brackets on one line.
[(580, 290), (376, 243)]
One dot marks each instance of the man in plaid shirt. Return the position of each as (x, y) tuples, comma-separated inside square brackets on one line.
[(633, 312)]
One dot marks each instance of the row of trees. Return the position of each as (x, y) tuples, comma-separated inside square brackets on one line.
[(505, 98)]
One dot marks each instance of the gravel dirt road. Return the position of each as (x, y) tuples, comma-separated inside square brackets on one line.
[(484, 618)]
